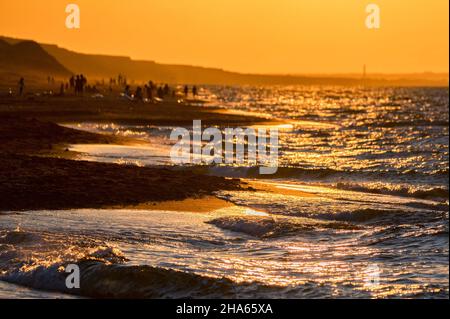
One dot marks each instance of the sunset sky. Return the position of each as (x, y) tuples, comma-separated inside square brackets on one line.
[(259, 36)]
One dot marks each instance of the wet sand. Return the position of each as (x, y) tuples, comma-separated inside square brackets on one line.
[(30, 182), (119, 111), (273, 187), (204, 204), (26, 135), (207, 204), (36, 173)]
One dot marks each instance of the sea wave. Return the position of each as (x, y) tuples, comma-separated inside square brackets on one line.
[(105, 273), (322, 173), (18, 236), (269, 227), (101, 280), (439, 193), (410, 123)]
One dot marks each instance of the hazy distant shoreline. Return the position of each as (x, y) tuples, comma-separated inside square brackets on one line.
[(98, 66)]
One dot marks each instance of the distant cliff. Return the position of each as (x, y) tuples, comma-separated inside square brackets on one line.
[(28, 57), (105, 67)]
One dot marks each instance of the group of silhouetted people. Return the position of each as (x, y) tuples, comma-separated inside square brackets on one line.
[(151, 91), (78, 83), (194, 91)]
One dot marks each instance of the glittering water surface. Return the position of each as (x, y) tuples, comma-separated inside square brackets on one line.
[(361, 209)]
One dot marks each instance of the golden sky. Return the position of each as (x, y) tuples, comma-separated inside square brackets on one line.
[(261, 36)]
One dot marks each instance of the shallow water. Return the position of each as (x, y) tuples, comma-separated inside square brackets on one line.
[(389, 140), (302, 251), (375, 161), (329, 245)]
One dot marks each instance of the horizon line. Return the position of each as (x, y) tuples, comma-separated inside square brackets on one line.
[(308, 74)]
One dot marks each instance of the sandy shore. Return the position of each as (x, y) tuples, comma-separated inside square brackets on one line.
[(205, 204), (25, 135), (36, 173), (37, 170), (116, 110), (31, 182)]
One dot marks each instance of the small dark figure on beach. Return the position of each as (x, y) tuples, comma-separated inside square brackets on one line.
[(160, 92), (138, 94), (83, 82), (80, 83), (21, 86), (150, 90), (186, 91), (72, 82), (166, 90), (77, 84), (194, 91), (127, 90)]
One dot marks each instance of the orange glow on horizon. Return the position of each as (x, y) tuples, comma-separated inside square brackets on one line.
[(258, 36)]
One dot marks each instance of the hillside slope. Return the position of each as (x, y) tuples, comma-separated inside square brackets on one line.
[(28, 57), (105, 67)]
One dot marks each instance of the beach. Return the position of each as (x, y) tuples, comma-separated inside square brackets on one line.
[(90, 181), (230, 158), (37, 171)]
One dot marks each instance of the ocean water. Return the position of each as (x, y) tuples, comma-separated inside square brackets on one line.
[(374, 163)]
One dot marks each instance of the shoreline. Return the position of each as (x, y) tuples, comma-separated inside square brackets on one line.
[(37, 170), (70, 109)]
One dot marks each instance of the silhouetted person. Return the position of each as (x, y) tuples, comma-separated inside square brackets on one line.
[(166, 90), (186, 90), (160, 92), (148, 91), (138, 95), (72, 82), (21, 86), (83, 82), (194, 91), (77, 85), (80, 82), (127, 90)]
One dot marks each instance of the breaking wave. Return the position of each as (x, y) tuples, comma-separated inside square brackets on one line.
[(439, 193), (100, 279), (269, 227), (320, 173)]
